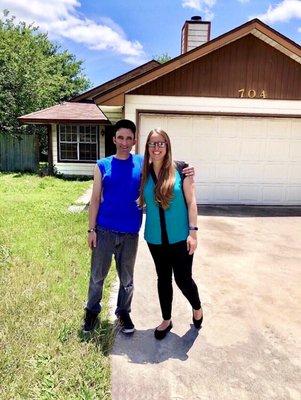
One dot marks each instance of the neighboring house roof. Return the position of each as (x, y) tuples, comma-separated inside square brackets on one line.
[(70, 112), (92, 93), (255, 27)]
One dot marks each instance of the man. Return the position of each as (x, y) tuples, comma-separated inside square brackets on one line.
[(114, 223)]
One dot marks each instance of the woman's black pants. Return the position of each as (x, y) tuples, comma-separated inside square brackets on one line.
[(174, 257)]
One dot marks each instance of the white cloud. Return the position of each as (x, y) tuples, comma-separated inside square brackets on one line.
[(204, 6), (243, 1), (282, 12), (196, 4), (62, 19)]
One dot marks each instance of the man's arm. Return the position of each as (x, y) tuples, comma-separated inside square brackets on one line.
[(94, 206), (189, 192), (188, 171)]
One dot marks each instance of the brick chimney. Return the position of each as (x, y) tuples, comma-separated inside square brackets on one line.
[(195, 32)]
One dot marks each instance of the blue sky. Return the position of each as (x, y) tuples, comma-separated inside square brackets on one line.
[(115, 36)]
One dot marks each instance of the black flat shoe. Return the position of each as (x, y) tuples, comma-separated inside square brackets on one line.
[(159, 335), (197, 322)]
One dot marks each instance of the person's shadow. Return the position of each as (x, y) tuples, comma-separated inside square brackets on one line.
[(142, 347), (102, 337)]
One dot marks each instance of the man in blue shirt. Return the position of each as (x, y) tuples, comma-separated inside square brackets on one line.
[(114, 223)]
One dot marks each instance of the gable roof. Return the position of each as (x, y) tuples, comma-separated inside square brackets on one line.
[(94, 92), (255, 27)]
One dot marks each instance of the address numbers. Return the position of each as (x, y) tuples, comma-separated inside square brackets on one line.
[(252, 93)]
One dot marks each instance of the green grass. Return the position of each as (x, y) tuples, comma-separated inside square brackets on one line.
[(44, 271)]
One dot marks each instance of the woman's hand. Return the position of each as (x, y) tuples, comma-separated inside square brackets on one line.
[(92, 239), (191, 244)]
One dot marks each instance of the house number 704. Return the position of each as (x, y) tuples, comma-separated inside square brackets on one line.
[(251, 94)]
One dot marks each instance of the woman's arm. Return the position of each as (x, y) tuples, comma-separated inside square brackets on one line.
[(94, 206), (189, 192)]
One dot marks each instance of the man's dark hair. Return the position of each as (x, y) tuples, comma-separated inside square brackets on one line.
[(125, 123)]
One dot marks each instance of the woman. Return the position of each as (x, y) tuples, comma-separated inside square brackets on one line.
[(170, 227)]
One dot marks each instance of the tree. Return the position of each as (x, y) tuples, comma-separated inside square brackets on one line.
[(162, 58), (34, 73)]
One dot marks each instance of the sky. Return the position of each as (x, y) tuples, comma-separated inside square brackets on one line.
[(115, 36)]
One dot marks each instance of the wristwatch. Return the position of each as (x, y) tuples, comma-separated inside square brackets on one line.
[(193, 228), (91, 230)]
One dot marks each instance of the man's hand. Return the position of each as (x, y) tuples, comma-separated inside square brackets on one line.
[(92, 237), (191, 244), (189, 171)]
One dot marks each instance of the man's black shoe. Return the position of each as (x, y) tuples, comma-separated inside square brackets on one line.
[(126, 323), (91, 321)]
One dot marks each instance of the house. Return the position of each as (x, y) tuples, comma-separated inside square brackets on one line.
[(231, 105)]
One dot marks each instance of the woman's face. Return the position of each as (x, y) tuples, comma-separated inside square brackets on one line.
[(157, 147)]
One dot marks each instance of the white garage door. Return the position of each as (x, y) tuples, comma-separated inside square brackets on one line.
[(238, 160)]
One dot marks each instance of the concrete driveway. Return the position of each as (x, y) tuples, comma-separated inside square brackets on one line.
[(247, 268)]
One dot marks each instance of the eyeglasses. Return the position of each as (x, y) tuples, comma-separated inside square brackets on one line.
[(159, 144)]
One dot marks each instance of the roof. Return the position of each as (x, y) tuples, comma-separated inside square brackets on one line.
[(255, 27), (83, 108), (69, 112), (90, 94)]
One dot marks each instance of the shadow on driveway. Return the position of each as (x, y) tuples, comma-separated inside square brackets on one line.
[(249, 211), (143, 348)]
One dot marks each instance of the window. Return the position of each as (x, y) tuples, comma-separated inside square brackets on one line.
[(78, 142)]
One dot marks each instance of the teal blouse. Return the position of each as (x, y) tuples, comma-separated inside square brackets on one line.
[(175, 216)]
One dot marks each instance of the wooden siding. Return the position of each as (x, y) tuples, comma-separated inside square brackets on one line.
[(255, 27), (113, 101), (19, 155), (248, 63)]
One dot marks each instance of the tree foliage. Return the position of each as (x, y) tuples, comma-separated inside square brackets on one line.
[(163, 58), (34, 73)]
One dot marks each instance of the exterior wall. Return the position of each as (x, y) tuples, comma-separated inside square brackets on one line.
[(77, 168), (210, 105), (112, 113), (248, 67)]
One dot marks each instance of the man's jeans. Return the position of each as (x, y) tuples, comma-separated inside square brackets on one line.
[(124, 247)]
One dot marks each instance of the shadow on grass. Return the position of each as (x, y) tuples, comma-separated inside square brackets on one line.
[(103, 336), (44, 172), (78, 178)]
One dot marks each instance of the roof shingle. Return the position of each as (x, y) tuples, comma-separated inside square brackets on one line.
[(66, 112)]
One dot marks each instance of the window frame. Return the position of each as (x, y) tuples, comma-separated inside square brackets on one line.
[(78, 142)]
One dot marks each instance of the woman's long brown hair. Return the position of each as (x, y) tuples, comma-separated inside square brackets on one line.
[(166, 178)]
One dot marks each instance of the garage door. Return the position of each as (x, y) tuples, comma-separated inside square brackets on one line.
[(238, 160)]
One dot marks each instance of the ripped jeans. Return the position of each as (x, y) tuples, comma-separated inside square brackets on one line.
[(124, 248)]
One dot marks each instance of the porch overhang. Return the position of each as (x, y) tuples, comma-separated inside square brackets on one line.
[(67, 113)]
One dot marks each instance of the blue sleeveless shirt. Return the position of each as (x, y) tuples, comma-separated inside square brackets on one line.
[(176, 215), (118, 210)]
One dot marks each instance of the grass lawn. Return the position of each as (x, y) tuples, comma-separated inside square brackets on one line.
[(44, 270)]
